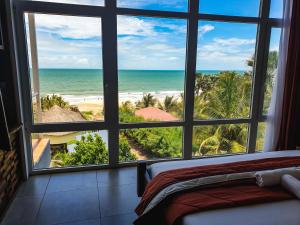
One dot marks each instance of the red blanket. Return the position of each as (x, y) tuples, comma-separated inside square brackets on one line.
[(227, 194)]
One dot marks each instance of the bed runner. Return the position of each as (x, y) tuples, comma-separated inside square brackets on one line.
[(234, 186)]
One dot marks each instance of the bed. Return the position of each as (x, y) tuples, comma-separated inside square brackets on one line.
[(275, 213)]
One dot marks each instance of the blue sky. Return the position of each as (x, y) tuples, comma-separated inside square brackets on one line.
[(151, 43)]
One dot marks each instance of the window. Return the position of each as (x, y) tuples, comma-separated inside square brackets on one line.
[(151, 59), (150, 143), (276, 10), (145, 80), (272, 68), (66, 68), (261, 132), (69, 149), (79, 2), (175, 5), (224, 70), (230, 7), (219, 139)]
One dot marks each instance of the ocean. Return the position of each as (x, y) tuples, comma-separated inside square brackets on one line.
[(89, 82)]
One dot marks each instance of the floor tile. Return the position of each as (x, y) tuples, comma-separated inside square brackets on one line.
[(117, 176), (117, 199), (124, 219), (66, 206), (72, 181), (34, 186), (23, 210), (84, 222)]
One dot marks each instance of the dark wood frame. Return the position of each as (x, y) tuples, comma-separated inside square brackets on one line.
[(143, 177)]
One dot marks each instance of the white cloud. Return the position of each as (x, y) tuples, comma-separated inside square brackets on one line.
[(234, 41), (225, 54), (205, 28)]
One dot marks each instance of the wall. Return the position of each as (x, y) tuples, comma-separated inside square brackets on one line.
[(10, 158)]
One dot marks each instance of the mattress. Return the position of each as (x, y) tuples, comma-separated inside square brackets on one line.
[(157, 168), (276, 213)]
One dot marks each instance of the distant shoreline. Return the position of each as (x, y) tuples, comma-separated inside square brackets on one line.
[(133, 97)]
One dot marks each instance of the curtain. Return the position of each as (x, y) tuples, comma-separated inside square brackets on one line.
[(277, 110), (290, 108)]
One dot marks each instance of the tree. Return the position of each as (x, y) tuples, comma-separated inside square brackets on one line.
[(147, 101), (221, 139), (90, 150), (49, 101), (124, 150), (169, 104)]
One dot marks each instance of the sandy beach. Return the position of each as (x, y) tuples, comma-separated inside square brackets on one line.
[(94, 104)]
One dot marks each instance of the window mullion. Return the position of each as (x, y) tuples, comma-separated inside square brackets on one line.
[(261, 58), (110, 77), (191, 55)]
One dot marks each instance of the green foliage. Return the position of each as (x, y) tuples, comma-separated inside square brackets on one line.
[(147, 101), (90, 150), (169, 104), (48, 102), (88, 115), (124, 150), (220, 139), (157, 142), (126, 114)]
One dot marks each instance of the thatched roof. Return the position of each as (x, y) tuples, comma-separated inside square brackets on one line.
[(59, 115), (152, 113)]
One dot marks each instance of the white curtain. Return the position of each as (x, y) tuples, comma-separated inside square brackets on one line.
[(275, 110)]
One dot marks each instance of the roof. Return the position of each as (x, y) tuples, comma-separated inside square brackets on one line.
[(59, 115), (152, 113)]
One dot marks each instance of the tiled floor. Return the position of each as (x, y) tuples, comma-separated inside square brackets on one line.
[(106, 197)]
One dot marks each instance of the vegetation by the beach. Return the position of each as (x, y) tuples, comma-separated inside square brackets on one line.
[(157, 142), (91, 149), (49, 101)]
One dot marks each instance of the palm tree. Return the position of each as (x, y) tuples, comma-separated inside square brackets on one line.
[(147, 101), (230, 98), (222, 139), (169, 104)]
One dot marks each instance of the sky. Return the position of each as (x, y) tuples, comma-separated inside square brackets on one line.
[(151, 43)]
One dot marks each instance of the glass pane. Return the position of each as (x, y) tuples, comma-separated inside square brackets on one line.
[(151, 58), (261, 132), (65, 149), (164, 5), (272, 67), (150, 143), (230, 7), (276, 10), (219, 139), (77, 2), (66, 82), (224, 70)]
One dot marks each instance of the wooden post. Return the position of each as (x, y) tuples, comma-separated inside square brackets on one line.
[(34, 65)]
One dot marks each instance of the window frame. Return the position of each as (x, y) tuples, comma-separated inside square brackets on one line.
[(108, 14)]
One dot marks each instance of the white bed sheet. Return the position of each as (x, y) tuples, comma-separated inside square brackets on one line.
[(157, 168), (276, 213)]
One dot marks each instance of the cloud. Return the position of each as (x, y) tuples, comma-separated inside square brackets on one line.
[(205, 28), (225, 54), (69, 26), (234, 41), (143, 43)]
